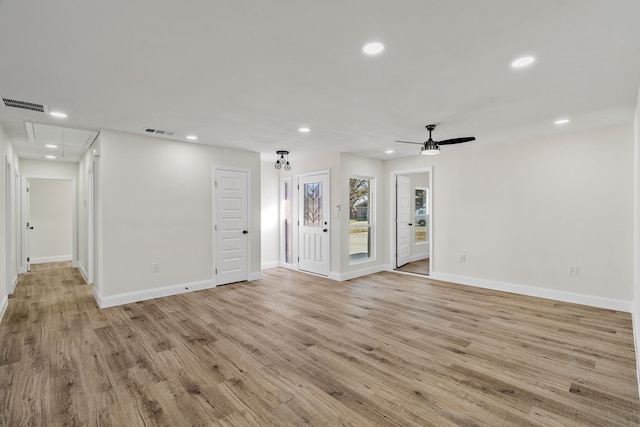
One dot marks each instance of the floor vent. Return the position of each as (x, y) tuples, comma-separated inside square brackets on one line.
[(24, 105), (160, 132)]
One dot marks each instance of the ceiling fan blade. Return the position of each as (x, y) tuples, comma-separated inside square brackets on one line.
[(411, 142), (456, 140)]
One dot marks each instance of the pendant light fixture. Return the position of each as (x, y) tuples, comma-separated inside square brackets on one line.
[(282, 160)]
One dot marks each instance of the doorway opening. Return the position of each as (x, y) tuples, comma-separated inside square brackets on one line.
[(49, 221), (411, 227)]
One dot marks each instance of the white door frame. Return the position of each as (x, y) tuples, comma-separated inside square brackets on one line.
[(392, 208), (90, 230), (299, 218), (281, 216), (10, 219), (74, 221), (214, 234), (404, 225)]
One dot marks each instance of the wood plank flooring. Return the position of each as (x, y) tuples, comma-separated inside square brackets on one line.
[(417, 267), (294, 349)]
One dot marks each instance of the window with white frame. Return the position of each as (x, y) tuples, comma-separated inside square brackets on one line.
[(360, 219), (421, 219)]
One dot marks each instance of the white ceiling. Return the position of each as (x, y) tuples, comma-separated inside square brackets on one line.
[(249, 73)]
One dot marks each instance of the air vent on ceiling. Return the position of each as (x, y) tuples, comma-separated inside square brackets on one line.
[(160, 132), (24, 105)]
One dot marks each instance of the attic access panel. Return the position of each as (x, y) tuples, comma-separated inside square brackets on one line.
[(65, 137)]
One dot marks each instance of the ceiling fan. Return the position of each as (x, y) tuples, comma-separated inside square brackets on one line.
[(431, 147)]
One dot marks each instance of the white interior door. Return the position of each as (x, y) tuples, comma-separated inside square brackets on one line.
[(231, 226), (29, 227), (403, 218), (313, 232)]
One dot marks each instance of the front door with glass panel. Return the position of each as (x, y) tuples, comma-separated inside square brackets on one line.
[(313, 235)]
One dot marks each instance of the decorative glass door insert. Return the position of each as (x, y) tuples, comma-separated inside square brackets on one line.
[(313, 204)]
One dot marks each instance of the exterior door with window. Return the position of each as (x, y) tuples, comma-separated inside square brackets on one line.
[(313, 232)]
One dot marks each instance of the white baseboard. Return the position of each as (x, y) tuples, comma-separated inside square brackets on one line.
[(57, 258), (418, 257), (356, 273), (255, 276), (83, 272), (590, 300), (14, 282), (165, 291), (635, 321), (3, 306), (271, 264)]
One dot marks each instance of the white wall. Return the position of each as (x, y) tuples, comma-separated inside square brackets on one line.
[(48, 169), (636, 235), (523, 211), (155, 206), (9, 241), (269, 200), (51, 216)]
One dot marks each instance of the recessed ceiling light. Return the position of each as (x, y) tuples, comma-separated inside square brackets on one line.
[(373, 48), (389, 152), (58, 114), (192, 137), (523, 62), (51, 146), (51, 157), (561, 121), (304, 130)]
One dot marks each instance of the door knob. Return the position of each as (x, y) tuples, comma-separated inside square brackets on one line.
[(324, 230), (410, 224), (245, 232)]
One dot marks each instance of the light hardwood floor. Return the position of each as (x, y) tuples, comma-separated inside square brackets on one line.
[(294, 349), (417, 267)]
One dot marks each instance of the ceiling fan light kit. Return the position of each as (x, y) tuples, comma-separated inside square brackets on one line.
[(429, 151), (431, 147)]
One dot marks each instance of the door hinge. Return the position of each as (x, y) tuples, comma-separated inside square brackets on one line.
[(298, 259), (216, 271), (298, 186), (215, 228), (27, 189), (215, 183)]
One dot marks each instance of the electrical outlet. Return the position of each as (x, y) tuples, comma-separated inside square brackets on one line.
[(155, 267), (572, 270), (463, 258)]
